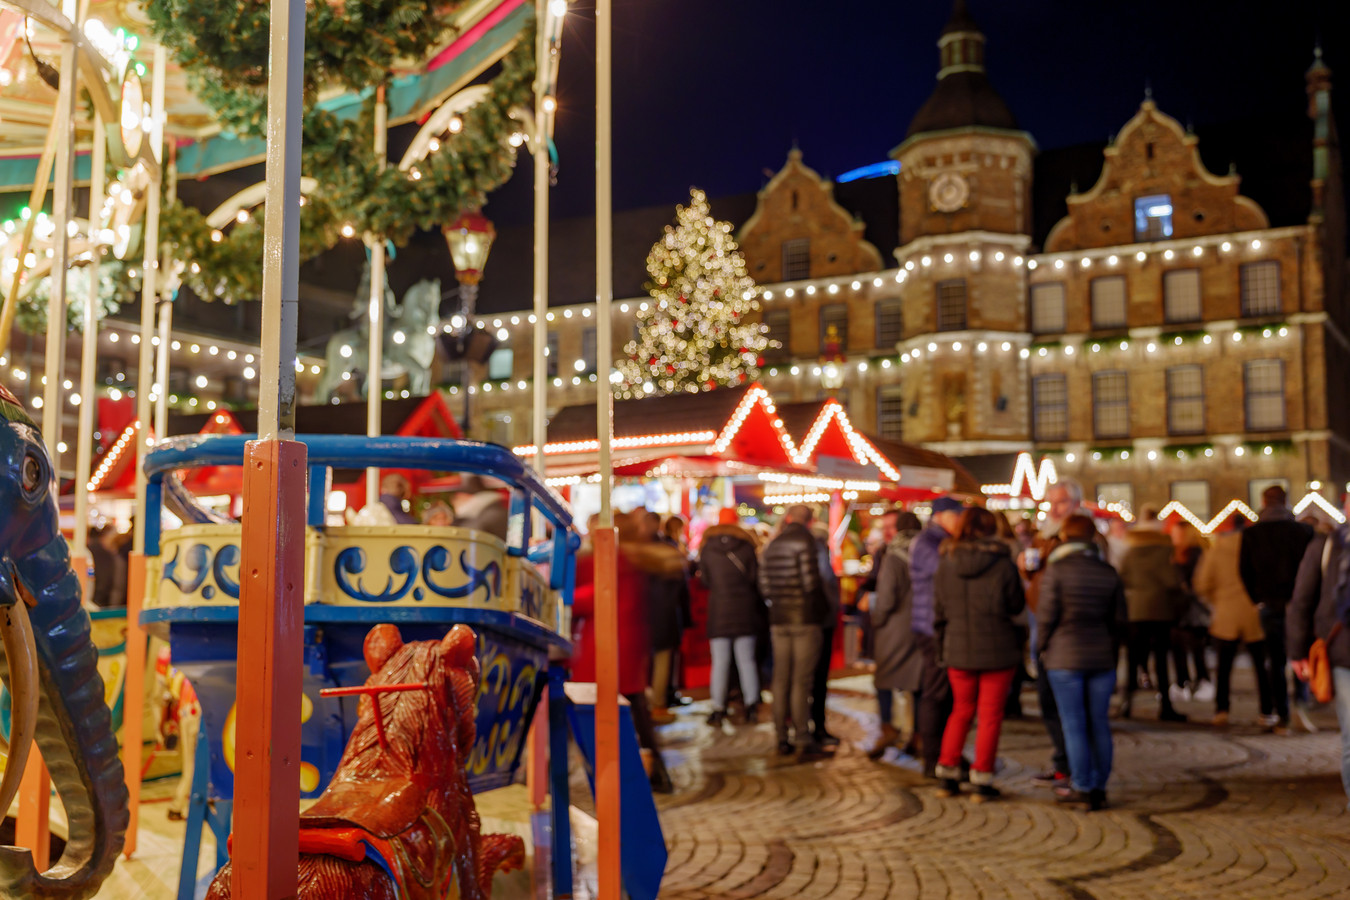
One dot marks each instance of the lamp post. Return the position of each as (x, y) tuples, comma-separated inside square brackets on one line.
[(470, 239)]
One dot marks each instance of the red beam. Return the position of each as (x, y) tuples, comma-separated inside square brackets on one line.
[(271, 650)]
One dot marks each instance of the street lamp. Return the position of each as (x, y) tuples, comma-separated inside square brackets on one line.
[(470, 239)]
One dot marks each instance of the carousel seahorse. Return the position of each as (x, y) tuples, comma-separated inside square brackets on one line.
[(51, 669)]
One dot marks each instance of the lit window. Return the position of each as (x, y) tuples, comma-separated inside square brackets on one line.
[(1263, 381), (951, 305), (835, 314), (1047, 308), (890, 323), (1153, 217), (552, 354), (588, 350), (1050, 407), (501, 364), (1261, 288), (1181, 295), (1108, 302), (891, 412), (796, 259), (1118, 492), (1194, 495), (1185, 400), (779, 322), (1110, 404)]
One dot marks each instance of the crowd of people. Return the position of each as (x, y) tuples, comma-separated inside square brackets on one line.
[(963, 610)]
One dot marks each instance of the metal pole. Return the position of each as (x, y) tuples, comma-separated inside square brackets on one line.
[(375, 355), (62, 200), (607, 776), (162, 369), (84, 445), (540, 411), (134, 690), (272, 564)]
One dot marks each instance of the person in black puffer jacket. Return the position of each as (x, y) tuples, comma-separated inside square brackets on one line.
[(1082, 619), (736, 612), (789, 578), (976, 593)]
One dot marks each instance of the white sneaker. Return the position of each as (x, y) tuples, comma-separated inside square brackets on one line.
[(1204, 692), (1268, 721), (1177, 693)]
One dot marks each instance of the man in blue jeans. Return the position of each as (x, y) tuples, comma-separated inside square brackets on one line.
[(1320, 608)]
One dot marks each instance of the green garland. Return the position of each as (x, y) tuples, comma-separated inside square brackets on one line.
[(223, 47), (115, 290)]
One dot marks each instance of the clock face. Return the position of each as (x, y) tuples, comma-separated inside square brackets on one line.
[(948, 192)]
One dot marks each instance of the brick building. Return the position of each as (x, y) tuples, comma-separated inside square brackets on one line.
[(1161, 335)]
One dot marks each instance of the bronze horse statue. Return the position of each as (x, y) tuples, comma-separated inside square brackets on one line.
[(398, 820)]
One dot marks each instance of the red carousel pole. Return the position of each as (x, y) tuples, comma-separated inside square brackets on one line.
[(272, 565)]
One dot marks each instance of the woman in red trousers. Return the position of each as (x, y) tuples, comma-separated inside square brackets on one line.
[(976, 593)]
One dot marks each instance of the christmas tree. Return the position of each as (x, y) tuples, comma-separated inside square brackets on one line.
[(694, 335)]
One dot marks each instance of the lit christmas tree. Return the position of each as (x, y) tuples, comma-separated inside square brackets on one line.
[(694, 336)]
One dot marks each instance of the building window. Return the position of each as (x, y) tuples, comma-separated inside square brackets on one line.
[(552, 350), (1153, 217), (1185, 400), (1261, 288), (1181, 295), (588, 350), (951, 305), (1108, 302), (1118, 492), (890, 323), (501, 364), (1110, 404), (1050, 408), (891, 412), (1047, 308), (1263, 382), (499, 428), (779, 324), (796, 259), (1194, 495), (835, 314)]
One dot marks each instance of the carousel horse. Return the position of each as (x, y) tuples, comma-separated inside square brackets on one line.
[(407, 347), (398, 821), (50, 666)]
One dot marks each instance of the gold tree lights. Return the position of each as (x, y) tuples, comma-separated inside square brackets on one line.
[(695, 336)]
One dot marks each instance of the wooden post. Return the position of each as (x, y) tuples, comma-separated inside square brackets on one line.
[(272, 561)]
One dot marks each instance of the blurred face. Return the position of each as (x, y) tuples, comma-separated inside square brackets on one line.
[(888, 526), (1062, 504), (439, 517), (949, 521)]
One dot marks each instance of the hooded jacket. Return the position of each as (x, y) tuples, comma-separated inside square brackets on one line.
[(789, 578), (976, 593), (728, 567), (899, 657), (1153, 589), (1082, 614)]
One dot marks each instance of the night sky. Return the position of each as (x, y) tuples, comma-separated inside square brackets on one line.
[(713, 93)]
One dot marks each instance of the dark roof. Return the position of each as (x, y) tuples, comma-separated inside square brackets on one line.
[(989, 468), (799, 417), (962, 100), (672, 413)]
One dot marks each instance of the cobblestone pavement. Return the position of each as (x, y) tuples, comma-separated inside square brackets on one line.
[(1196, 812)]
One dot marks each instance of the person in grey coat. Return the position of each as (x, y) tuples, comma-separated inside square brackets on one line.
[(1083, 618), (899, 657)]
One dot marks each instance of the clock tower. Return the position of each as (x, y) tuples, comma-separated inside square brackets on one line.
[(965, 229)]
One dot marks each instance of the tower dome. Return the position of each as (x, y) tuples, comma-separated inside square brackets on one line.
[(964, 98)]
